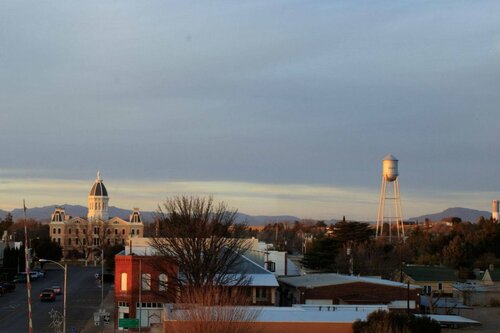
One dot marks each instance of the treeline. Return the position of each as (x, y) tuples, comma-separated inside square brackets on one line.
[(351, 246)]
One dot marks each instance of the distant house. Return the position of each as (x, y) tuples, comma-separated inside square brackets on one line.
[(276, 262), (473, 293), (432, 279), (330, 289), (491, 276)]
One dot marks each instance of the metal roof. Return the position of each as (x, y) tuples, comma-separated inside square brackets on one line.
[(430, 273), (329, 279)]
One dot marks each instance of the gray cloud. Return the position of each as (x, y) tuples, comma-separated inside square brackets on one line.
[(260, 91)]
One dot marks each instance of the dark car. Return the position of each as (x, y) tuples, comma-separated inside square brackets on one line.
[(56, 289), (48, 295)]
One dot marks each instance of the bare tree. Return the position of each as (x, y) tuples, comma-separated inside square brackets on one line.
[(204, 238), (94, 237), (213, 310)]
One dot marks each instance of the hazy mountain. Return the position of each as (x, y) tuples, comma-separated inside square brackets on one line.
[(263, 220), (466, 214), (43, 214), (3, 213)]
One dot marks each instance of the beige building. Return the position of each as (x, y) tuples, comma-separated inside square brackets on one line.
[(85, 237)]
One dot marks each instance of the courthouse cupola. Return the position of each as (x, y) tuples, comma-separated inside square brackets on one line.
[(98, 201)]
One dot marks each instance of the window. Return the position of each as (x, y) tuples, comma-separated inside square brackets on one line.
[(69, 231), (261, 294), (146, 281), (77, 231), (148, 305), (271, 266), (427, 290), (133, 231), (54, 231), (76, 241), (69, 241), (109, 231), (123, 231), (58, 231), (123, 282), (162, 282), (59, 241), (138, 233), (85, 230), (116, 231), (440, 286)]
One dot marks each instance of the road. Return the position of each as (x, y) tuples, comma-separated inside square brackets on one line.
[(83, 299)]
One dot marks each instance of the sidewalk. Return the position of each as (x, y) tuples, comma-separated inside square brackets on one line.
[(109, 303)]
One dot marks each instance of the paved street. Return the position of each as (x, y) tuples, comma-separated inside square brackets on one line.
[(83, 298)]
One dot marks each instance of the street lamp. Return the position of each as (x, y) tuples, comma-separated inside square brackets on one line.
[(65, 267)]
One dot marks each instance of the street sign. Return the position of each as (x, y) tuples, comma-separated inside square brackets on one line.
[(128, 322), (97, 318), (106, 318)]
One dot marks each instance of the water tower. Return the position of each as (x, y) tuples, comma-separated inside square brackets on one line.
[(389, 209), (494, 210)]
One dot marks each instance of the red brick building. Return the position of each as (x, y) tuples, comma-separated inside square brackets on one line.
[(330, 289), (142, 287)]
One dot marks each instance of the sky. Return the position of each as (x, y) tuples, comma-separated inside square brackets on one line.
[(275, 107)]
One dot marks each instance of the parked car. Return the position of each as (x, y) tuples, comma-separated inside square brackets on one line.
[(21, 276), (56, 289), (48, 295), (39, 272)]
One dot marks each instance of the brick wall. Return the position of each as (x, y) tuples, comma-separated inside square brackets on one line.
[(352, 293)]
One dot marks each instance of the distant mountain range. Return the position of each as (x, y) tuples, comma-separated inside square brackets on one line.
[(43, 214), (466, 214)]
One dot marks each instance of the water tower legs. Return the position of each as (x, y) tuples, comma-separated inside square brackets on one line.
[(393, 213)]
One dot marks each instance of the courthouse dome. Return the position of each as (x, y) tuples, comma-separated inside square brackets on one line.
[(98, 189)]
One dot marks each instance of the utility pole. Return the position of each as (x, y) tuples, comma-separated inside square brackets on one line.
[(28, 278), (140, 295), (102, 285)]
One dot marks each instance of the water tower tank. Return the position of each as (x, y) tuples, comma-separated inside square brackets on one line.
[(390, 168), (494, 209)]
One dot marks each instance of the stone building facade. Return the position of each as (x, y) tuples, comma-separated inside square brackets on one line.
[(82, 237)]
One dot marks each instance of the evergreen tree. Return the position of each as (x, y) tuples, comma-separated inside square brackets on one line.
[(322, 254)]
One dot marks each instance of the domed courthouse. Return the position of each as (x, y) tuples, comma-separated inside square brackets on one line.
[(84, 238)]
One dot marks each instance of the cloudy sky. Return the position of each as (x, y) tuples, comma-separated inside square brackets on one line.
[(277, 107)]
